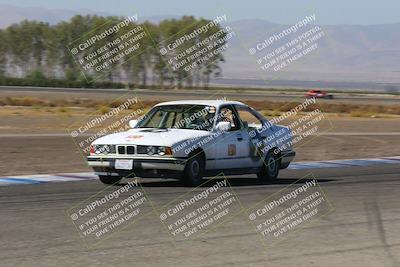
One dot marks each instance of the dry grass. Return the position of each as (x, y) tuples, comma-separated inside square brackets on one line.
[(62, 110), (103, 109), (28, 101), (268, 108), (354, 110)]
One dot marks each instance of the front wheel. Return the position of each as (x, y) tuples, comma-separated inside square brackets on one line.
[(284, 166), (108, 179), (270, 169), (194, 170)]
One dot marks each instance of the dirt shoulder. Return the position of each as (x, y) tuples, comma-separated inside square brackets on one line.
[(15, 120), (25, 151)]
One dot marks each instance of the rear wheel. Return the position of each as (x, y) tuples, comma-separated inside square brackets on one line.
[(108, 179), (270, 169), (194, 170)]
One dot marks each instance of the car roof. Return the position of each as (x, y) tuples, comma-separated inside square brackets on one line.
[(215, 103)]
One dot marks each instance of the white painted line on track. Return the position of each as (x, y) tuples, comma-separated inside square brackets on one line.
[(47, 178), (341, 163), (84, 176)]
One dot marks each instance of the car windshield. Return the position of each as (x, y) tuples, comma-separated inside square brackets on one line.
[(195, 117)]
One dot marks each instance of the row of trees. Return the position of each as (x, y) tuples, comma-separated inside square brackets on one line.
[(38, 49)]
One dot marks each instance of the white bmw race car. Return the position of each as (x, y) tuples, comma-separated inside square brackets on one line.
[(191, 139)]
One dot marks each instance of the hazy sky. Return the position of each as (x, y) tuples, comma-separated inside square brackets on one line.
[(279, 11)]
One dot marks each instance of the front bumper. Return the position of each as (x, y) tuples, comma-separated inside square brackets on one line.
[(106, 165)]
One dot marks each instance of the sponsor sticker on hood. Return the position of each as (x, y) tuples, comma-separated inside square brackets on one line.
[(134, 137)]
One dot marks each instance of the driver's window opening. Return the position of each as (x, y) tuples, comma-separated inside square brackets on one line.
[(248, 119), (228, 115)]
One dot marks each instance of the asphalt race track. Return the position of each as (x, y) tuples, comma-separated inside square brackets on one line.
[(362, 228)]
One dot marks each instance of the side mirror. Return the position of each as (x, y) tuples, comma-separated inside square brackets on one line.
[(132, 123), (223, 126)]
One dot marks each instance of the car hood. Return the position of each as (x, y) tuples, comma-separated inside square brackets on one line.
[(150, 136)]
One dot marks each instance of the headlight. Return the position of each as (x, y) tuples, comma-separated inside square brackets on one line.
[(151, 150), (102, 149), (161, 150), (154, 150), (164, 150)]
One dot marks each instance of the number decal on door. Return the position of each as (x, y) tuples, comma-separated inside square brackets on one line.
[(231, 150)]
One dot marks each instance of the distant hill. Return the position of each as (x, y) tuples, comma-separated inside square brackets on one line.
[(13, 14), (345, 53)]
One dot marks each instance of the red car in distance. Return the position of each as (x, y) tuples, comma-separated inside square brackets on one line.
[(318, 94)]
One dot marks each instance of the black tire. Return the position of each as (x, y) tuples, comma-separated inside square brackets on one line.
[(284, 166), (270, 169), (108, 179), (194, 170)]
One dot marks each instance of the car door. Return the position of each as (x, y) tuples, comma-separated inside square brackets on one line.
[(253, 134), (231, 147)]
